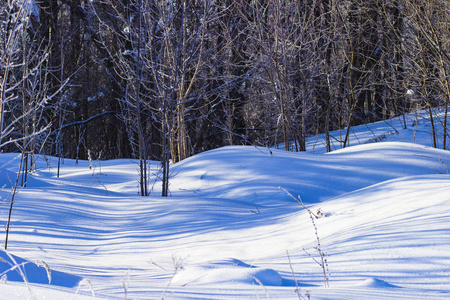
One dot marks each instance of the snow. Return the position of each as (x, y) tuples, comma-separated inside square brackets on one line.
[(228, 232)]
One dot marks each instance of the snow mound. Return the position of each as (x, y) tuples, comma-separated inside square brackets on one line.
[(376, 283), (13, 268), (245, 172), (231, 271)]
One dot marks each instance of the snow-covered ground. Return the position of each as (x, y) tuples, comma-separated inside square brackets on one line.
[(228, 232)]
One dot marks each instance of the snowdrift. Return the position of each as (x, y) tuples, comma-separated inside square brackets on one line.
[(228, 231)]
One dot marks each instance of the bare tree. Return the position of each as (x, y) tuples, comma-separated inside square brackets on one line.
[(24, 86), (428, 62), (188, 76), (23, 67), (158, 58)]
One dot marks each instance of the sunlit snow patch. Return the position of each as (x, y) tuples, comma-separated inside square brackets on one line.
[(231, 271)]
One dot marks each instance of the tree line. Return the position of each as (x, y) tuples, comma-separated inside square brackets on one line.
[(163, 80)]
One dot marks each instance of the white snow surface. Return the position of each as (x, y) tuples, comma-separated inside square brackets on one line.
[(228, 232)]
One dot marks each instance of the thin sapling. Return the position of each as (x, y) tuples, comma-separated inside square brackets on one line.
[(322, 255)]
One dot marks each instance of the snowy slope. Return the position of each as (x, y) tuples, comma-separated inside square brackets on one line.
[(229, 232)]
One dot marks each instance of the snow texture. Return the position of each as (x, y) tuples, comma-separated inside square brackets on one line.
[(228, 232)]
